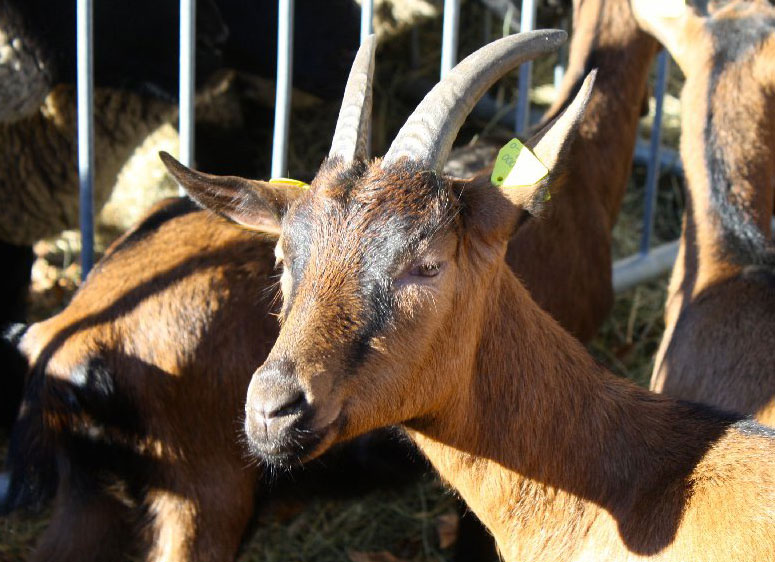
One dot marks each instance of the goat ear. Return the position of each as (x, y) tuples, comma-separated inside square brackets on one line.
[(550, 145), (253, 204)]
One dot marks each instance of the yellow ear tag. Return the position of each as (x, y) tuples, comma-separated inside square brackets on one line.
[(517, 166), (288, 181)]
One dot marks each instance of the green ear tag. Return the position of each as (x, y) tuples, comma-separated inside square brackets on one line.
[(517, 166), (288, 181)]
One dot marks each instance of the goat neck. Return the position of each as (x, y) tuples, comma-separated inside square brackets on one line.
[(727, 138), (606, 37), (560, 459)]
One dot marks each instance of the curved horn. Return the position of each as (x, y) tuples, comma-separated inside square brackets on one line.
[(427, 136), (352, 128)]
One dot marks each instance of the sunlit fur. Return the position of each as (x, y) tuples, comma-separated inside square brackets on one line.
[(135, 391), (559, 458), (720, 316), (603, 38), (133, 413)]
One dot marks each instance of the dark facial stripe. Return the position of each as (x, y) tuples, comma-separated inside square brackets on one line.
[(371, 227), (380, 304), (735, 38)]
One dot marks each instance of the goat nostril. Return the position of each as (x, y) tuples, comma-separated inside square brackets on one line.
[(291, 406)]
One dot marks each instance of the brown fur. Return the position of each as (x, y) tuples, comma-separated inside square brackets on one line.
[(154, 444), (721, 304), (586, 201), (175, 521), (559, 458), (138, 389), (399, 308)]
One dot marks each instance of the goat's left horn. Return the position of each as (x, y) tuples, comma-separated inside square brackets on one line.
[(351, 137), (427, 136)]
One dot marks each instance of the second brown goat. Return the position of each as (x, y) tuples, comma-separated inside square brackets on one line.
[(720, 314)]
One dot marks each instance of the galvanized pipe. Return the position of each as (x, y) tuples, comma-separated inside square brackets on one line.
[(449, 36), (527, 23), (652, 172), (282, 110), (367, 18), (186, 81), (638, 268), (85, 102)]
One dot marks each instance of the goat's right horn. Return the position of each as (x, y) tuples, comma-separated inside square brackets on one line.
[(351, 137), (427, 136)]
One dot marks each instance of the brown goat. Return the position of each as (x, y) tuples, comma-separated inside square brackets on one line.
[(131, 387), (720, 314), (606, 37), (590, 202), (137, 390), (399, 307)]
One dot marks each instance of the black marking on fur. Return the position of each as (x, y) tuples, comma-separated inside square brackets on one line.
[(92, 409), (388, 237), (381, 309), (743, 242), (345, 178), (31, 457), (397, 241), (710, 413), (736, 38)]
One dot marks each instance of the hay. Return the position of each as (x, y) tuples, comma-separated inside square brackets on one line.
[(403, 523)]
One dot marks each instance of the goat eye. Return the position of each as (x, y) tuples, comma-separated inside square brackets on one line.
[(425, 270)]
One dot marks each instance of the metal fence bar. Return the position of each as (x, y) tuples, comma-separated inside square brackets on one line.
[(449, 36), (186, 81), (652, 172), (638, 268), (627, 272), (282, 110), (669, 159), (367, 18), (527, 23), (85, 80)]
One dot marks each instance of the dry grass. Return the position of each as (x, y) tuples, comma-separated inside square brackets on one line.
[(404, 523), (384, 525)]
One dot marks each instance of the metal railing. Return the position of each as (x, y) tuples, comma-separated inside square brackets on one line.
[(85, 86), (648, 263)]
